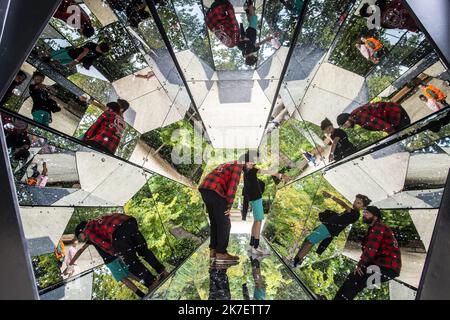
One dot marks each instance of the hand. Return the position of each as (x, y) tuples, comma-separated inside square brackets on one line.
[(359, 271), (227, 213), (331, 157)]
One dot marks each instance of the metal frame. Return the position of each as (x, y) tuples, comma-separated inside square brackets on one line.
[(21, 23), (435, 281)]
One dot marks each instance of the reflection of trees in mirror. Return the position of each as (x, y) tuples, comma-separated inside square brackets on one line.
[(123, 59), (194, 28), (104, 287), (99, 89), (345, 54), (172, 27), (295, 139), (163, 142), (294, 212), (322, 20), (151, 35), (46, 270), (325, 278), (179, 208)]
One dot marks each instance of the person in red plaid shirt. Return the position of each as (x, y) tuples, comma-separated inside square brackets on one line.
[(222, 21), (389, 117), (105, 134), (380, 252), (218, 190), (118, 235)]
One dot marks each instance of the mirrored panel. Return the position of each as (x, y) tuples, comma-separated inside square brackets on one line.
[(115, 59), (360, 100)]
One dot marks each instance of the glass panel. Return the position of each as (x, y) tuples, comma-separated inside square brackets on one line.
[(252, 279)]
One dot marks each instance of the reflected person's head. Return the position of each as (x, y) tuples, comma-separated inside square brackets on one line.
[(113, 106), (446, 83), (327, 126), (103, 47), (22, 153), (38, 77), (344, 121), (124, 105), (423, 98), (79, 231), (361, 201), (20, 77), (248, 160), (371, 215), (251, 60), (87, 30)]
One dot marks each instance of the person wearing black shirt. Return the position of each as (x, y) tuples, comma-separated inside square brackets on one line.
[(18, 80), (341, 146), (86, 55), (253, 191), (332, 225), (247, 43), (245, 202), (43, 105)]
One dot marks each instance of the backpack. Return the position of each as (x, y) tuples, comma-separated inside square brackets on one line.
[(434, 93), (373, 44)]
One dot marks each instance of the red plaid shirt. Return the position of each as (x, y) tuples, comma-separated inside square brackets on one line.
[(221, 20), (380, 116), (224, 180), (107, 130), (380, 248), (100, 231)]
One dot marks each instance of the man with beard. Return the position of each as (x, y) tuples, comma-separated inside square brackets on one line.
[(380, 260)]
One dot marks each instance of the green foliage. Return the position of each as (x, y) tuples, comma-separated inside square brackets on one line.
[(325, 278), (361, 137), (104, 287), (345, 54), (46, 270), (97, 88), (167, 143), (400, 222)]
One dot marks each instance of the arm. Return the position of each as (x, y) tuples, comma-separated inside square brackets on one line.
[(79, 58), (259, 44), (337, 200), (44, 169), (274, 174), (76, 256), (333, 148), (97, 104)]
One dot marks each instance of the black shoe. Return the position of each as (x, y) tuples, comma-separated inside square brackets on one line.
[(297, 262), (140, 294)]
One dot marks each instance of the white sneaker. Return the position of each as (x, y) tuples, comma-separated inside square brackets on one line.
[(260, 251)]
